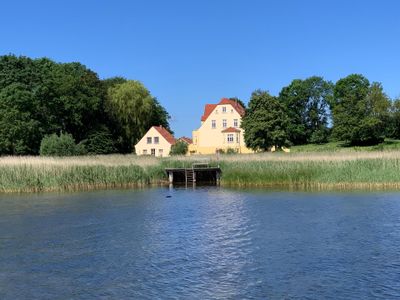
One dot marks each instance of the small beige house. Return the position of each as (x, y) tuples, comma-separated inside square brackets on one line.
[(157, 142), (220, 129)]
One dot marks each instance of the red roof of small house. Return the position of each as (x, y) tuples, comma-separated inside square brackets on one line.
[(186, 140), (208, 109), (230, 129), (165, 134)]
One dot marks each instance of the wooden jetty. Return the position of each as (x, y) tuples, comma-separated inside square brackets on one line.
[(199, 172)]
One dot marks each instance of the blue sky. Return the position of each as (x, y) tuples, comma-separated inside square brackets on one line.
[(188, 53)]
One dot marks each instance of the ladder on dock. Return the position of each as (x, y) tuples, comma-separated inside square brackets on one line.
[(189, 176)]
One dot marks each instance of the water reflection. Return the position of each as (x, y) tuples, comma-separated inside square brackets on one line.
[(203, 243)]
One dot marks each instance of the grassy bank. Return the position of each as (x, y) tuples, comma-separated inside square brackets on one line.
[(306, 170), (27, 174)]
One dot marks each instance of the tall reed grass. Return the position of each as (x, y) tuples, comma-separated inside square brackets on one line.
[(339, 170)]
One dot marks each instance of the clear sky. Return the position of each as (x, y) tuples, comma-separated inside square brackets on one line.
[(188, 53)]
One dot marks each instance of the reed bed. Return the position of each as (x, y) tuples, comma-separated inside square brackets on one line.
[(336, 170), (374, 173)]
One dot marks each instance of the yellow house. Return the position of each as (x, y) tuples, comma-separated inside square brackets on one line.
[(220, 129), (157, 142)]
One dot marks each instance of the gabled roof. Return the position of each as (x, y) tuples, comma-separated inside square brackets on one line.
[(236, 105), (208, 109), (186, 140), (165, 134), (230, 129)]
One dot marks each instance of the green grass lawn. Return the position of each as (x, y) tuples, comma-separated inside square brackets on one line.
[(387, 145)]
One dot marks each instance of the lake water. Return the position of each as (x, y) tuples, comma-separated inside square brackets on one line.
[(208, 243)]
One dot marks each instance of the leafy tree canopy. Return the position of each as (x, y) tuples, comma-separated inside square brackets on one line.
[(39, 97), (307, 106), (135, 109), (265, 122), (360, 111)]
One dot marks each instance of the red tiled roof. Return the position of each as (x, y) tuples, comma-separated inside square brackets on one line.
[(186, 140), (208, 109), (236, 105), (165, 134), (230, 129)]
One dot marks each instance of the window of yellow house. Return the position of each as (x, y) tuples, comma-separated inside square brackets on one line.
[(144, 152), (156, 140), (213, 124), (230, 138), (149, 140), (223, 109), (235, 123), (153, 152), (224, 123)]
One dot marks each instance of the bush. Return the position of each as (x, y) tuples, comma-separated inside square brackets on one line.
[(62, 145), (179, 148)]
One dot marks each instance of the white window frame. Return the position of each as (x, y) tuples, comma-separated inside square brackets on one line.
[(213, 124), (224, 109), (230, 138), (235, 123), (224, 123)]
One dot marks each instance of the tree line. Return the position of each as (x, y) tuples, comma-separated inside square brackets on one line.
[(65, 108), (64, 103), (314, 110)]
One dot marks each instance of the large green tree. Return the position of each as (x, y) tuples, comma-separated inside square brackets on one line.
[(45, 97), (265, 122), (136, 110), (20, 133), (307, 106), (360, 111)]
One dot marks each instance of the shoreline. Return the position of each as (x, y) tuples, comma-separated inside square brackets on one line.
[(302, 172)]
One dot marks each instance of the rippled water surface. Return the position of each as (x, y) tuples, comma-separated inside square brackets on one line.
[(208, 243)]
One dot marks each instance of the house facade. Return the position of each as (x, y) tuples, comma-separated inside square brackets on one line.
[(157, 142), (220, 129)]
